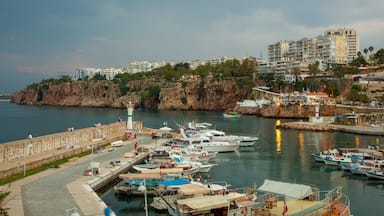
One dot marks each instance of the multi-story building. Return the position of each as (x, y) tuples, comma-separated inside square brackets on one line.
[(279, 51), (109, 73), (352, 40), (337, 46), (142, 66)]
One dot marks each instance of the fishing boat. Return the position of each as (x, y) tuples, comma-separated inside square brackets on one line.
[(275, 197), (152, 181), (231, 114), (228, 204), (375, 174), (321, 156)]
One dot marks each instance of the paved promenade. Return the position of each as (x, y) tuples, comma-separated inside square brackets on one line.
[(56, 190)]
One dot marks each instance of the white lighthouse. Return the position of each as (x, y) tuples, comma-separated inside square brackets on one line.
[(130, 116)]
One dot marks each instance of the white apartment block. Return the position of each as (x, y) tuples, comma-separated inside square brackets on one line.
[(143, 66), (335, 46), (352, 40), (109, 73)]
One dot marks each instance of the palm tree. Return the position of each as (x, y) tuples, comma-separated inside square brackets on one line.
[(365, 51), (370, 48)]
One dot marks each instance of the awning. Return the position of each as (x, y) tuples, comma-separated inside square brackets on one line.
[(297, 191)]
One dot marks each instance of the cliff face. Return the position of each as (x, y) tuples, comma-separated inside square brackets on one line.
[(202, 95), (197, 94)]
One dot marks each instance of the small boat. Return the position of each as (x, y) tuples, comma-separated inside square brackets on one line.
[(227, 204), (299, 199), (321, 156), (246, 141), (375, 174), (231, 114), (140, 167)]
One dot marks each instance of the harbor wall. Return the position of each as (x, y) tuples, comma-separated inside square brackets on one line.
[(304, 111), (41, 150)]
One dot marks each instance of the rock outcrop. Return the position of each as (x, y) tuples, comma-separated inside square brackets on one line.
[(193, 94)]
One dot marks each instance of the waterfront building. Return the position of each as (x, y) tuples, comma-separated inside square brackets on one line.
[(335, 46), (352, 40)]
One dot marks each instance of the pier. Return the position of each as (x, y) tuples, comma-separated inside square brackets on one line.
[(356, 129), (71, 187), (60, 190)]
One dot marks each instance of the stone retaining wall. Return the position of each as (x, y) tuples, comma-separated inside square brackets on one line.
[(44, 149)]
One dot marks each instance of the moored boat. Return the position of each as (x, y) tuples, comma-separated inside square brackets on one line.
[(275, 197), (231, 114), (375, 174)]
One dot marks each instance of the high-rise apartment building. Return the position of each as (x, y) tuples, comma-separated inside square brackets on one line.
[(352, 40), (335, 46)]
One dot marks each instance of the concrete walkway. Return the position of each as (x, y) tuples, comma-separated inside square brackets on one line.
[(56, 190)]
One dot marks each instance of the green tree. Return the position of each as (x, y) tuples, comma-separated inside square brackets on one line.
[(296, 71), (365, 51), (370, 48), (98, 76), (360, 60), (203, 70), (379, 56), (314, 68)]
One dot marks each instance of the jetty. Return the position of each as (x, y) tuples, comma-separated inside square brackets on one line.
[(59, 191), (316, 126), (71, 188)]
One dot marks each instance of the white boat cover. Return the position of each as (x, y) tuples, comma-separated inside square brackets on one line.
[(297, 191), (204, 203)]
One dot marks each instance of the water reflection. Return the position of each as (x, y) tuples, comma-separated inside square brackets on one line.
[(301, 143), (278, 136), (278, 140), (357, 141)]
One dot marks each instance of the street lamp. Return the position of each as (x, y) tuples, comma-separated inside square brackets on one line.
[(27, 146), (143, 188)]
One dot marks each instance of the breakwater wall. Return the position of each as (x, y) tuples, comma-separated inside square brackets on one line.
[(41, 150), (304, 111), (357, 129)]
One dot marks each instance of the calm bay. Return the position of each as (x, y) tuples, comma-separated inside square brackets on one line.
[(283, 155)]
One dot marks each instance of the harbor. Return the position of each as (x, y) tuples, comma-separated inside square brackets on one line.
[(283, 155)]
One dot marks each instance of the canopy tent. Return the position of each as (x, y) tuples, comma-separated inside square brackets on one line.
[(292, 190)]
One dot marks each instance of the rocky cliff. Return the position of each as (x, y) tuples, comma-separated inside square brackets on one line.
[(149, 93)]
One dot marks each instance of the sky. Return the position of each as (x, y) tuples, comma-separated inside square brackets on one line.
[(43, 39)]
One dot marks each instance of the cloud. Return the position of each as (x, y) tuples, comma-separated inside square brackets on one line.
[(102, 39)]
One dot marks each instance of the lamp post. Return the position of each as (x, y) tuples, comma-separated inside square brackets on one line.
[(27, 146), (143, 188)]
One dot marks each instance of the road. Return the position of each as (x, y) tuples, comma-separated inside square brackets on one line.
[(46, 193)]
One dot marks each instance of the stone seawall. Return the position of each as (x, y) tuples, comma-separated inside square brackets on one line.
[(38, 151), (304, 111), (358, 129)]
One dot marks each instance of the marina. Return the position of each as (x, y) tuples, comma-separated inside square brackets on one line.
[(283, 155)]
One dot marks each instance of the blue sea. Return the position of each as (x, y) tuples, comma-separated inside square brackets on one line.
[(283, 155)]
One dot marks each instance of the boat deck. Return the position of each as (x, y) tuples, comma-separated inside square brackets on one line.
[(297, 207)]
